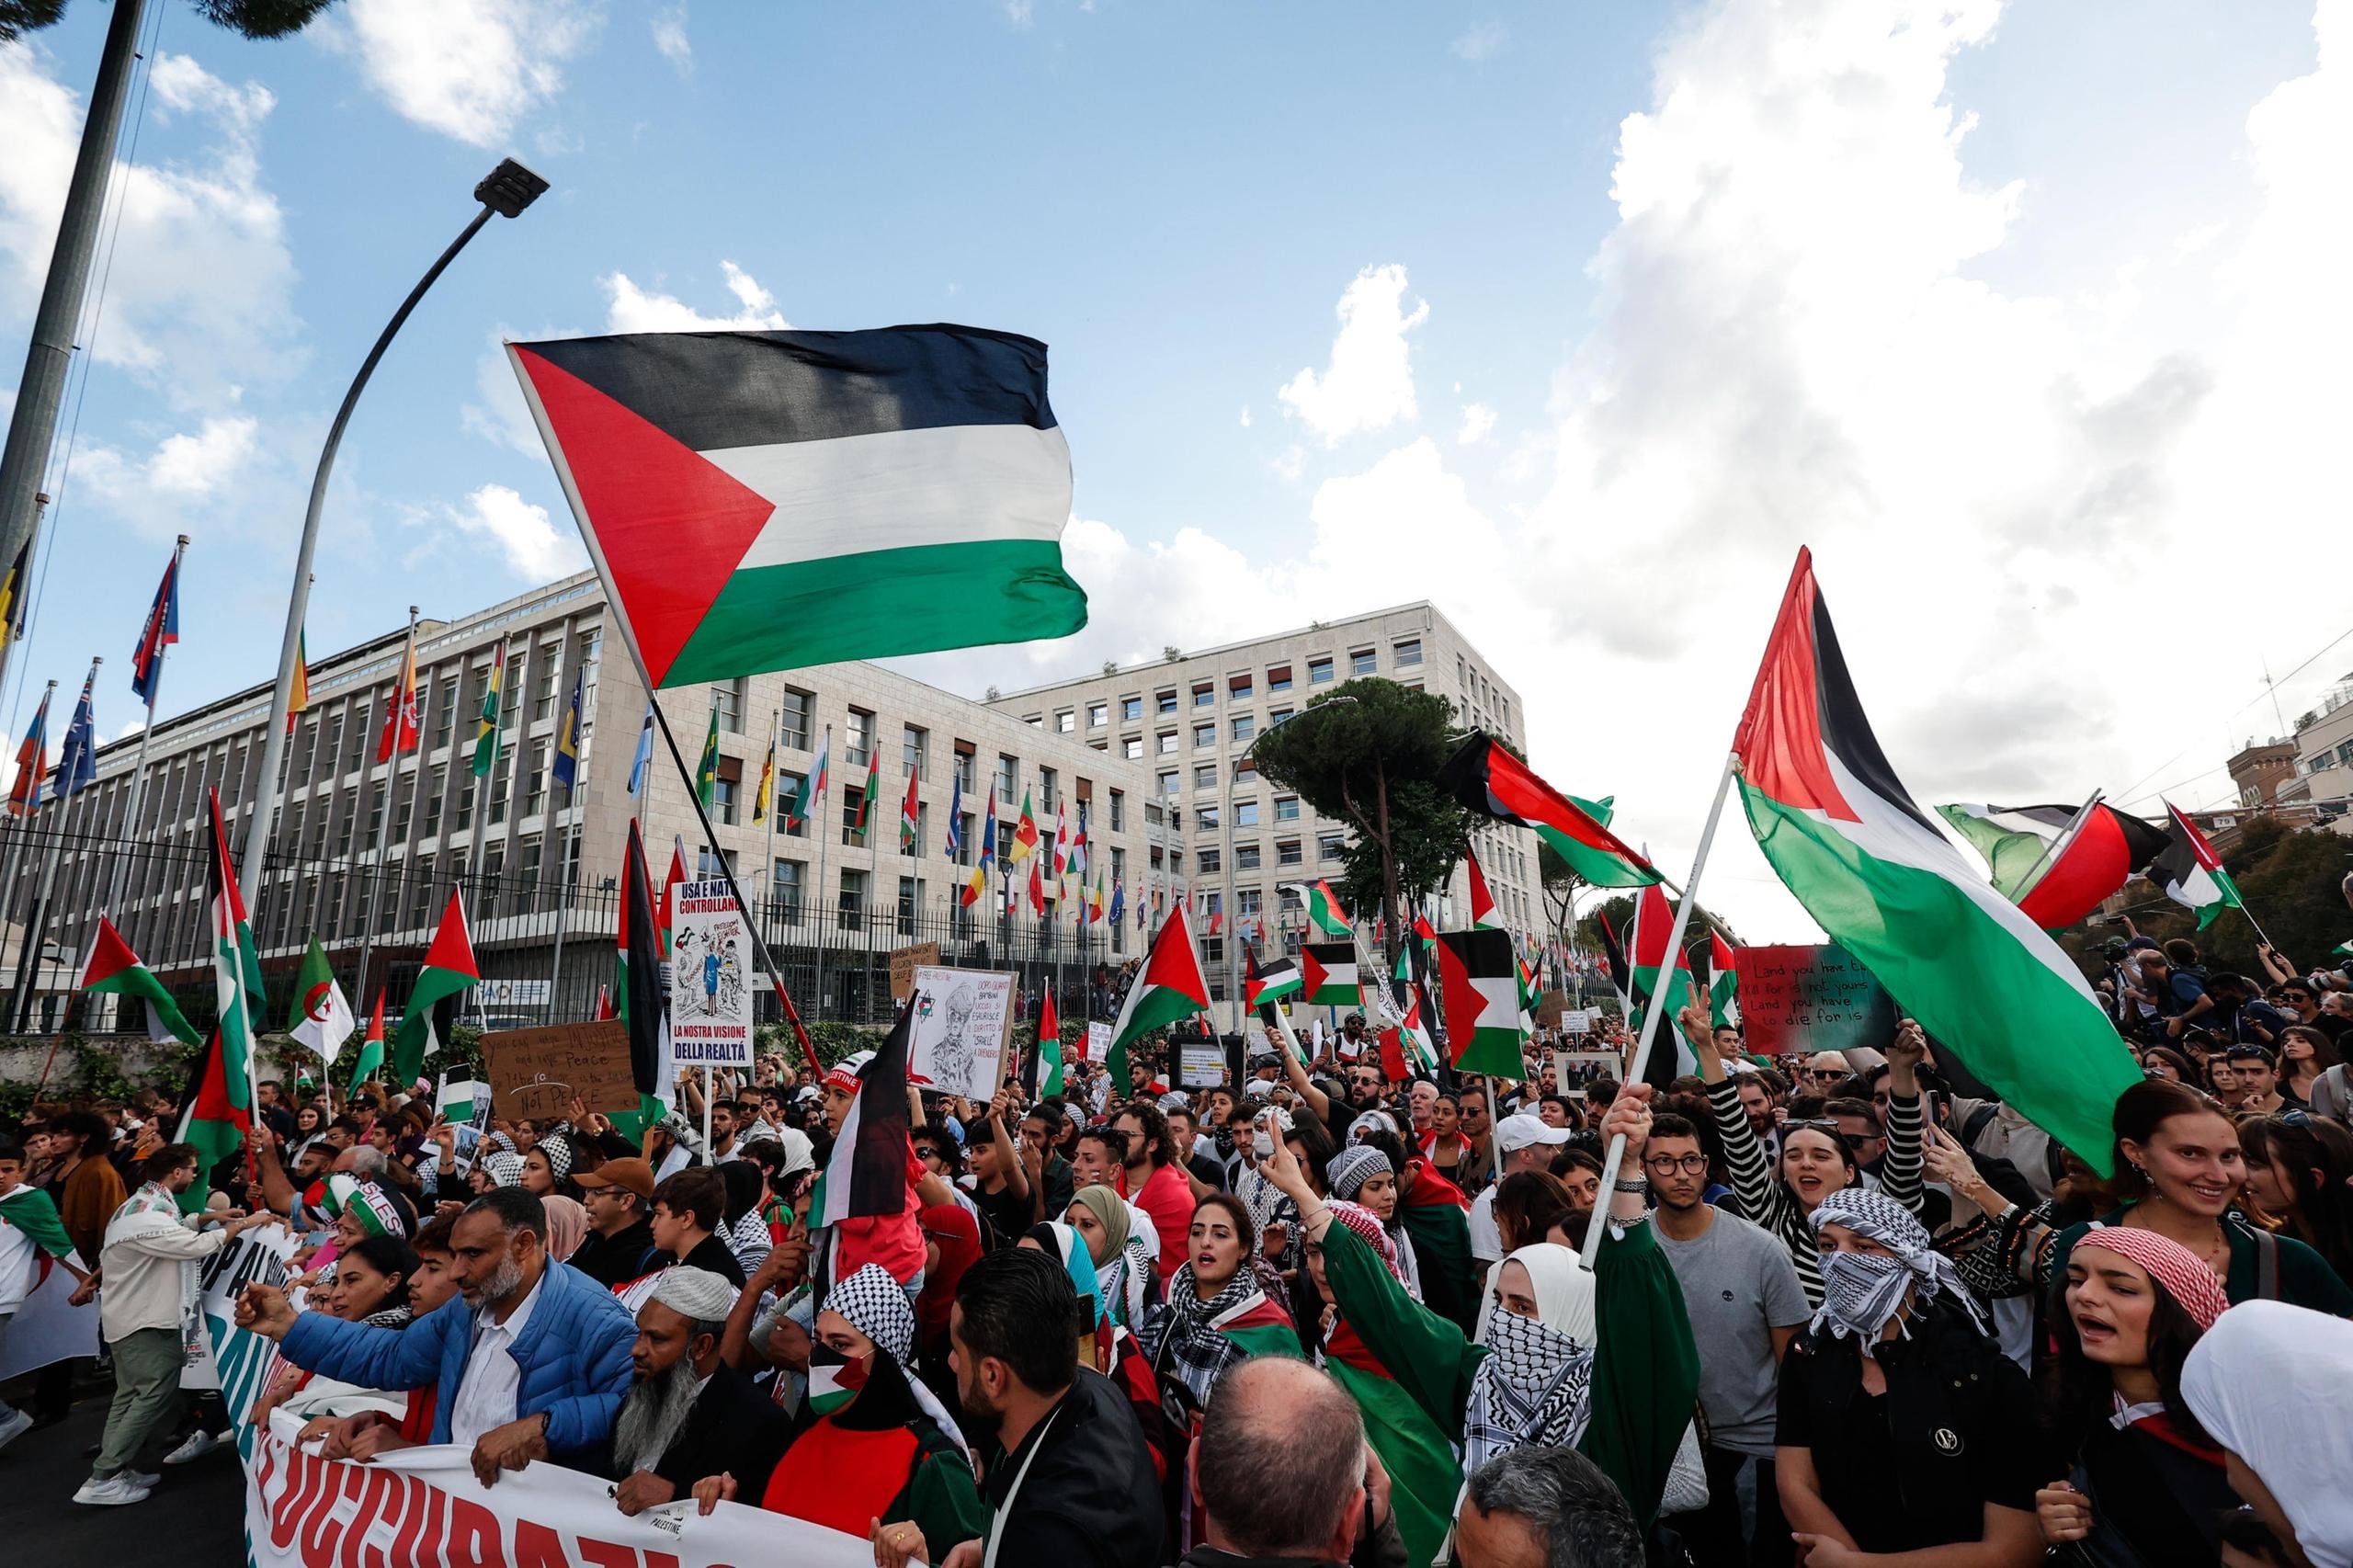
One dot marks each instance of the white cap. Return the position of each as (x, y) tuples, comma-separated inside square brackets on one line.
[(1524, 1128)]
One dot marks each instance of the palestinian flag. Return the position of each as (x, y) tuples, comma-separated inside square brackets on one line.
[(216, 1116), (1723, 982), (113, 969), (1671, 1054), (2096, 854), (219, 1103), (907, 819), (1489, 780), (370, 1062), (321, 1018), (486, 731), (432, 1007), (2014, 841), (1323, 906), (868, 796), (1265, 987), (1045, 1071), (978, 882), (1483, 902), (707, 764), (638, 953), (455, 1102), (1170, 988), (1479, 983), (1872, 869), (1328, 975), (812, 791), (2190, 872), (867, 1172), (769, 500)]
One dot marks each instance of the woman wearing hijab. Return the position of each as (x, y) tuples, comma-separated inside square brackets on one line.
[(951, 1242), (567, 1226), (1425, 1387), (1218, 1312), (873, 1444), (2271, 1385), (2144, 1485), (1366, 1173), (1902, 1425), (1123, 1267)]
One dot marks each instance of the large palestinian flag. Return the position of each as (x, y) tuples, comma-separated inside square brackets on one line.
[(1170, 988), (1868, 864), (114, 968), (1328, 975), (638, 950), (1322, 906), (765, 500), (2190, 872), (1262, 987), (450, 968), (1479, 984), (1491, 781)]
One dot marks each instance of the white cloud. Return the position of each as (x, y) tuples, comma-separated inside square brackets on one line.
[(469, 69), (185, 477), (1483, 42), (1246, 417), (202, 463), (1020, 13), (199, 291), (1370, 383), (1478, 423), (669, 27), (535, 549), (632, 309)]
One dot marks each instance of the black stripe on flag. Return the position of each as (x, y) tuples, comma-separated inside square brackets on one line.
[(641, 944), (878, 1160), (716, 390), (1845, 731)]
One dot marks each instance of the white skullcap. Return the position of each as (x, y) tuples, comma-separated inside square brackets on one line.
[(695, 1293)]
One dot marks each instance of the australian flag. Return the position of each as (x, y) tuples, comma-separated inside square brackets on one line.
[(163, 629), (77, 760)]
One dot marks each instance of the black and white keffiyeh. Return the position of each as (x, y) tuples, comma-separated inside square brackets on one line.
[(1352, 1167), (1185, 1336), (876, 1305), (1861, 1291), (1269, 1205), (1535, 1385)]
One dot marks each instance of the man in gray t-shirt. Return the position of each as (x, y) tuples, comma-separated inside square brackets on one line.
[(1742, 1294)]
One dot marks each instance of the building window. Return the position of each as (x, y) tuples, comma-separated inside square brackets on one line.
[(961, 770), (497, 796), (1245, 813), (1133, 748), (1204, 735), (1278, 678), (445, 714), (910, 894), (403, 792), (1097, 715), (1363, 662), (1035, 721), (1288, 853), (1330, 846), (535, 780), (1119, 810), (1008, 779), (421, 910), (1248, 901), (1156, 857), (1207, 860), (1245, 771), (528, 875), (1318, 671), (1204, 694), (787, 790), (1165, 701), (966, 845), (858, 741), (1286, 808), (784, 891), (1065, 721), (1237, 687), (724, 794), (1168, 743), (1245, 726), (1408, 652), (1048, 782), (1131, 709), (794, 731), (544, 671), (463, 818), (915, 750), (850, 912), (434, 789), (1246, 857), (1168, 784), (1205, 818)]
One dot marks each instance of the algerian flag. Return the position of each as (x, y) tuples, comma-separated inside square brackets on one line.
[(2191, 873), (322, 1018), (1324, 911), (450, 968), (113, 968), (1170, 988)]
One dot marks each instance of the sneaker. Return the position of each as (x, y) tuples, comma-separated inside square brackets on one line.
[(197, 1444), (16, 1427), (140, 1480), (111, 1493)]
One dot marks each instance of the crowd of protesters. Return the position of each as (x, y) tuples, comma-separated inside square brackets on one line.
[(1839, 1311)]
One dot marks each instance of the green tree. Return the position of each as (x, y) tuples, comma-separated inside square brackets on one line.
[(2292, 882), (254, 19), (1621, 913)]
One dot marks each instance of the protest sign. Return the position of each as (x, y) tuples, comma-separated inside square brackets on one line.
[(1097, 1046), (536, 1073), (904, 961), (1576, 1020), (44, 1329), (710, 987), (1573, 1071), (220, 1355), (424, 1505), (962, 1022), (1810, 998), (1201, 1063)]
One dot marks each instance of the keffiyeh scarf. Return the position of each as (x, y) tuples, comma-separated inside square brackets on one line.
[(1352, 1167), (1185, 1336), (1862, 1292), (1535, 1385), (876, 1305), (1270, 1206)]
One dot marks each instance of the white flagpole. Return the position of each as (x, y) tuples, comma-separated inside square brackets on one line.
[(139, 768), (1652, 1014)]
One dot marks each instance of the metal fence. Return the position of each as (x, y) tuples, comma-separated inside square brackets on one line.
[(544, 935)]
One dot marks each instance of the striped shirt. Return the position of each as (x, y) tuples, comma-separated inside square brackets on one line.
[(1766, 1200)]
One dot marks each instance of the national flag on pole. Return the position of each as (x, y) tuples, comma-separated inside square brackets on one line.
[(1322, 906), (1025, 835), (707, 766), (955, 834), (1479, 981), (909, 809), (486, 728), (645, 753), (1867, 863), (1095, 903), (399, 733), (567, 734), (1262, 987), (220, 1112), (162, 630), (2187, 868), (2093, 856), (370, 1061), (978, 882), (1654, 924), (13, 595), (32, 763), (2013, 840), (321, 1018), (1483, 902), (1328, 975), (1061, 850), (670, 881), (297, 696), (869, 796), (1413, 1038), (1119, 900), (113, 969), (1078, 844), (763, 798), (450, 968), (77, 759), (769, 500), (1170, 988), (1036, 885), (638, 955), (1045, 1071), (1723, 982), (813, 789), (1621, 973), (867, 1173), (1489, 780)]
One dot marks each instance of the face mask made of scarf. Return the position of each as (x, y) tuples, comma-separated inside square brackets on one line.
[(1861, 1291)]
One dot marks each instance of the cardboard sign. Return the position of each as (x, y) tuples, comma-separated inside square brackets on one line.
[(1810, 998), (904, 961), (1576, 1020), (535, 1073), (711, 968), (1201, 1064), (1097, 1045), (962, 1022)]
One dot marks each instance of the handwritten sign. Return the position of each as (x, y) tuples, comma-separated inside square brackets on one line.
[(1097, 1045), (711, 983), (904, 961), (535, 1073), (961, 1026), (1810, 998)]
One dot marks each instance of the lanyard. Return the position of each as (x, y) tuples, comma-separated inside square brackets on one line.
[(996, 1524)]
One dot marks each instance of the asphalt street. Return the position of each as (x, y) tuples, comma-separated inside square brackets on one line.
[(195, 1517)]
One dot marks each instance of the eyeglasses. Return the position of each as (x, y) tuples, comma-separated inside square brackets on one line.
[(1663, 1164)]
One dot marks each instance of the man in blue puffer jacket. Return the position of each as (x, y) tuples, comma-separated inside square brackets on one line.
[(530, 1361)]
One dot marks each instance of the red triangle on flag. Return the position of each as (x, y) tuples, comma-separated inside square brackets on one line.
[(1311, 974), (452, 949)]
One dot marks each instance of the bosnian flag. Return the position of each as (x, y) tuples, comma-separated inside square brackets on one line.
[(765, 500), (1869, 866)]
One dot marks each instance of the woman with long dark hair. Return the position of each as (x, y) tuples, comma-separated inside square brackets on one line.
[(2305, 1052), (2144, 1485), (2300, 1172)]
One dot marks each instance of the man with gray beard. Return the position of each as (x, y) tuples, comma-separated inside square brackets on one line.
[(688, 1414)]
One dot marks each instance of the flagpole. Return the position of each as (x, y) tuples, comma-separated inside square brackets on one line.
[(392, 764), (23, 831), (28, 959), (2050, 851), (139, 768), (820, 824), (1657, 1010)]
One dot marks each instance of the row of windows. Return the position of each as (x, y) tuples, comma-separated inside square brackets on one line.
[(1241, 686)]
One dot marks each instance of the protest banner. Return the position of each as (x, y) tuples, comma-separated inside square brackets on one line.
[(424, 1506), (1810, 998), (43, 1329), (1096, 1044), (904, 961), (962, 1023), (220, 1355), (536, 1073), (711, 968)]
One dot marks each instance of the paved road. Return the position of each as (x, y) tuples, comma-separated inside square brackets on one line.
[(198, 1509)]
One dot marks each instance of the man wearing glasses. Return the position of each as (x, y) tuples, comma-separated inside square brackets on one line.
[(1823, 1069), (1746, 1303)]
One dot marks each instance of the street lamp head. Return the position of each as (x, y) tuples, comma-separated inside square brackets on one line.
[(508, 189)]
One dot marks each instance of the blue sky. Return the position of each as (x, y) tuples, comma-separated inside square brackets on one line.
[(1576, 317)]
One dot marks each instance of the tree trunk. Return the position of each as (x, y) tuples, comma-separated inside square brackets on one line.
[(1389, 910)]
